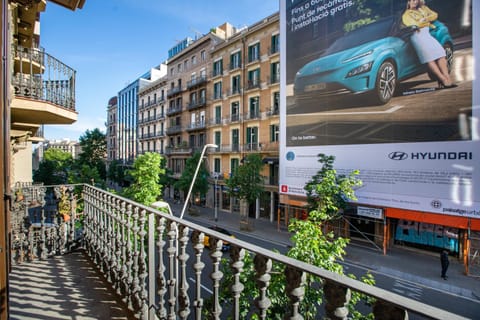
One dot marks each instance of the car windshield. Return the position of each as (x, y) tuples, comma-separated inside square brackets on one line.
[(374, 31)]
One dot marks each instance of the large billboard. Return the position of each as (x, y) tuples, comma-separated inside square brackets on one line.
[(387, 87)]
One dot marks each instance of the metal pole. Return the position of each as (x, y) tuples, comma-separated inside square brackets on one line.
[(210, 145), (216, 197)]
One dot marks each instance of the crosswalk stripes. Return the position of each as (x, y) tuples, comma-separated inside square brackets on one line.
[(409, 289)]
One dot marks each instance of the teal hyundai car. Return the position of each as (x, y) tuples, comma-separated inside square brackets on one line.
[(371, 59)]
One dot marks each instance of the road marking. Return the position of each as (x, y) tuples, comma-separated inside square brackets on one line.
[(411, 290), (201, 285)]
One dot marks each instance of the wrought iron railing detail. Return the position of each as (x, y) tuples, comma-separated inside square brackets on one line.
[(41, 76), (148, 265)]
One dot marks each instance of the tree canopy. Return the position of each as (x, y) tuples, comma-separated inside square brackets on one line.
[(54, 167), (94, 151), (246, 182), (146, 172)]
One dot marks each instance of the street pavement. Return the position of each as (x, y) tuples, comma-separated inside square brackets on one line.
[(419, 267)]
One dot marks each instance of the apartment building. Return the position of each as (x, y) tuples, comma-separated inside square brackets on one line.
[(243, 115), (112, 110), (127, 112), (152, 117), (188, 96)]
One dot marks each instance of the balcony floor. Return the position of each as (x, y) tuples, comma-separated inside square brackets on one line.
[(63, 287)]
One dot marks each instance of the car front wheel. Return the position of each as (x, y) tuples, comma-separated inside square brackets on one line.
[(385, 83)]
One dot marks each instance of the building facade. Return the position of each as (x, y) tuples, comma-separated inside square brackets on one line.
[(152, 117), (112, 110), (243, 116), (127, 112)]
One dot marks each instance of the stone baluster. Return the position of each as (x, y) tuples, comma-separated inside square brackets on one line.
[(388, 311), (117, 244), (336, 299), (135, 283), (102, 239), (172, 280), (216, 246), (143, 268), (161, 281), (130, 256), (263, 266), (295, 282), (237, 255), (183, 299), (123, 241), (109, 212), (197, 240)]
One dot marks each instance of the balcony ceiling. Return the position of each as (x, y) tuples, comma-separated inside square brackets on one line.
[(40, 112), (70, 4)]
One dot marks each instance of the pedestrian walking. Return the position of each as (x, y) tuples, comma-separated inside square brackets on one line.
[(444, 261)]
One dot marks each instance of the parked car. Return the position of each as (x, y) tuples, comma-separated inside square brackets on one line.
[(371, 59), (226, 245)]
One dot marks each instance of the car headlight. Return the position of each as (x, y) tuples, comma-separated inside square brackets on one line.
[(366, 67)]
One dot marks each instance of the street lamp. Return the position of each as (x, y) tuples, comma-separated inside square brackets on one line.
[(210, 145), (215, 196)]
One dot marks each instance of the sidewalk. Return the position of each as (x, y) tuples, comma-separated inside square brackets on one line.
[(400, 263)]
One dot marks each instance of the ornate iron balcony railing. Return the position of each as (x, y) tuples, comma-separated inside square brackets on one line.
[(38, 75)]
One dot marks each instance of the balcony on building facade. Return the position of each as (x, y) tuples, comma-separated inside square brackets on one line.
[(152, 103), (144, 254), (218, 72), (274, 111), (254, 58), (234, 117), (252, 147), (275, 79), (174, 129), (178, 150), (174, 109), (198, 81), (253, 84), (173, 91), (43, 88), (215, 121), (195, 126), (152, 135), (234, 91), (218, 95), (234, 66), (146, 120), (274, 49), (201, 102), (252, 115)]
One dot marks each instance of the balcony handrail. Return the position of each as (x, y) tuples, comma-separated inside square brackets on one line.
[(41, 76), (142, 252)]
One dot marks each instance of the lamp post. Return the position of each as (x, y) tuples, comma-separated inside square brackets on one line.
[(215, 196), (210, 145)]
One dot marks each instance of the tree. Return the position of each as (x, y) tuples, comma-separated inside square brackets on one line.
[(146, 173), (94, 151), (246, 182), (310, 244), (328, 190), (54, 167), (201, 183)]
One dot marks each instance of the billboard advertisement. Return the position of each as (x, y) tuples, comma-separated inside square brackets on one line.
[(387, 87)]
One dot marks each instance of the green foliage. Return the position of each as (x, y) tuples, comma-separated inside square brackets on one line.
[(146, 173), (329, 192), (116, 172), (201, 183), (246, 182), (94, 151), (54, 167), (310, 244)]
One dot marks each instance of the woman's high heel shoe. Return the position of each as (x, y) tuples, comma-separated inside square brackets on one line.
[(441, 85)]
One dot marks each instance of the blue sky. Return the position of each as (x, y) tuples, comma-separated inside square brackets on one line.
[(110, 43)]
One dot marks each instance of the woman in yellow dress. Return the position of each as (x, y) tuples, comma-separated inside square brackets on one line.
[(428, 49)]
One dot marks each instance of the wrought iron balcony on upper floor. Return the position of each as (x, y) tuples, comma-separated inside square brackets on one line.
[(39, 76), (157, 263)]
